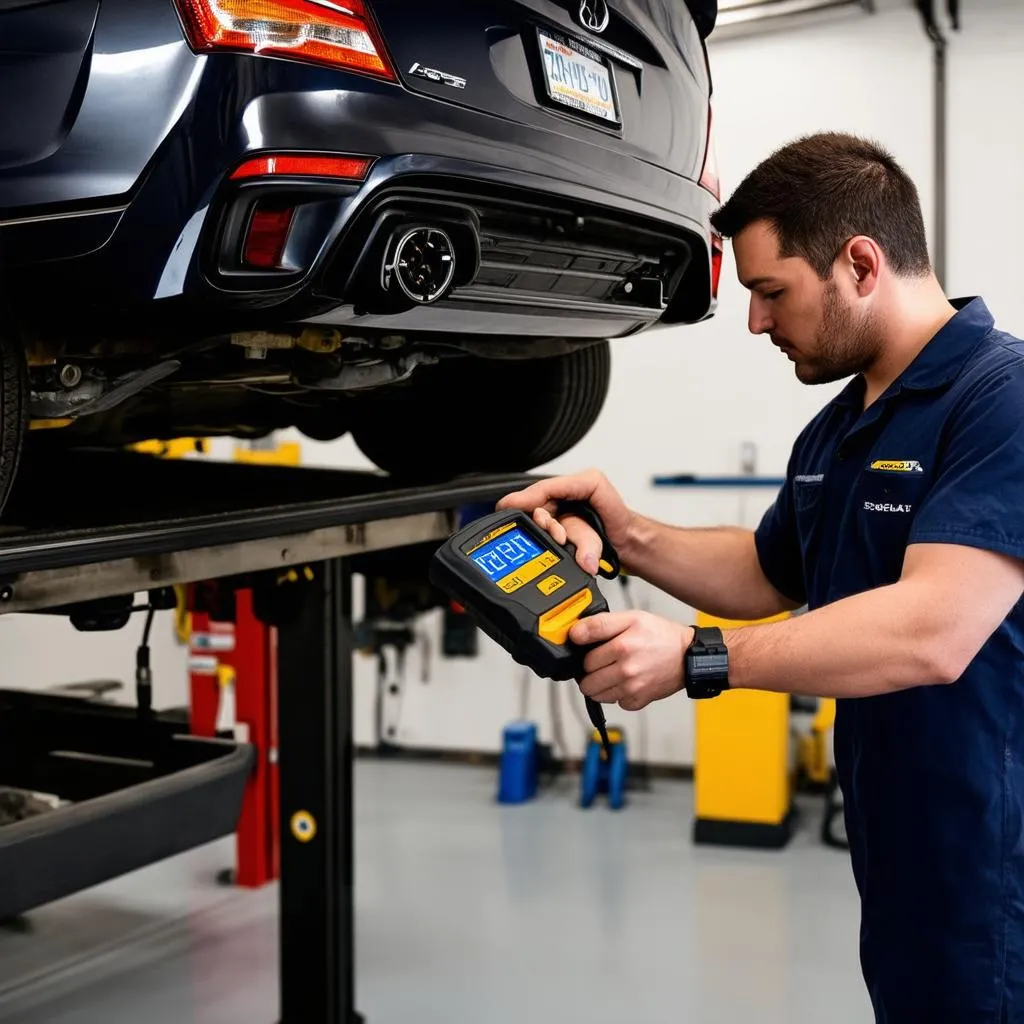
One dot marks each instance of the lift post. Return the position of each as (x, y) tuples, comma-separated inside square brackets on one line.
[(316, 765)]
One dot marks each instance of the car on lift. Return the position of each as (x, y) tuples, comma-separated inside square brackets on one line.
[(420, 224)]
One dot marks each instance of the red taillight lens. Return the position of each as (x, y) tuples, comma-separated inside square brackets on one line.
[(267, 237), (709, 178), (340, 35), (717, 250), (353, 168)]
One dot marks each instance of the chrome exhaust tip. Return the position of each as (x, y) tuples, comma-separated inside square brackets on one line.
[(419, 264)]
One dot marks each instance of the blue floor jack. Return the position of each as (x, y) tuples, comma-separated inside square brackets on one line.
[(604, 774)]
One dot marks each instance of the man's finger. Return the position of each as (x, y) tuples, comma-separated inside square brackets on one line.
[(545, 493), (546, 521), (604, 686), (596, 629), (599, 657), (588, 543), (632, 703), (533, 497)]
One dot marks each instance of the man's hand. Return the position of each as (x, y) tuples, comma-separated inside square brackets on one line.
[(639, 660), (541, 499)]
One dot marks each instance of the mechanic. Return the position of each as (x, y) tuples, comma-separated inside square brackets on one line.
[(900, 527)]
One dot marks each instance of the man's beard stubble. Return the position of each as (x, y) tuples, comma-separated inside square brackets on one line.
[(845, 345)]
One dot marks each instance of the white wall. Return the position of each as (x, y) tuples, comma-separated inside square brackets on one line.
[(686, 400), (986, 151)]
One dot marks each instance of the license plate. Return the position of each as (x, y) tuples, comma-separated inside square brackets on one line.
[(577, 77)]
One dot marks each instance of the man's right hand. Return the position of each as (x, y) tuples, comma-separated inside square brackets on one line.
[(541, 499)]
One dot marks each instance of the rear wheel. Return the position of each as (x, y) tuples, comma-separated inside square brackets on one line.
[(484, 415), (13, 407)]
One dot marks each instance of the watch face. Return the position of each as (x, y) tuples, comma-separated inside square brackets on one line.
[(707, 673)]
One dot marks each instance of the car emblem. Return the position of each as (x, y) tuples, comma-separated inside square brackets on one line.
[(594, 15), (455, 81)]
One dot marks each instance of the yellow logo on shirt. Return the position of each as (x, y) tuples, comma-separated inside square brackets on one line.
[(897, 466)]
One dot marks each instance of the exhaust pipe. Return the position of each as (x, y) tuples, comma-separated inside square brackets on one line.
[(419, 264), (412, 254)]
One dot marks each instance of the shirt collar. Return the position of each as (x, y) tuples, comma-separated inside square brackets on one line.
[(941, 359)]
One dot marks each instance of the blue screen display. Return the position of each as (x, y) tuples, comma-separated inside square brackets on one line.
[(498, 557)]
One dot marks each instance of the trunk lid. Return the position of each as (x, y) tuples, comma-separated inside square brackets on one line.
[(640, 85)]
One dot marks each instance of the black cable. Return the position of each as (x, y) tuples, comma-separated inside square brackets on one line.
[(143, 672), (596, 713)]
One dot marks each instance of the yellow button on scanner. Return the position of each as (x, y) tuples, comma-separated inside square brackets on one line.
[(554, 625), (534, 568), (550, 584)]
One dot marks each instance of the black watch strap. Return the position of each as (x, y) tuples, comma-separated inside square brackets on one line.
[(706, 663)]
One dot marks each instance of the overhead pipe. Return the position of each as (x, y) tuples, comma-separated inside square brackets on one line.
[(926, 8)]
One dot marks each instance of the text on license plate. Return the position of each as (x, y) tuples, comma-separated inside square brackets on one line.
[(577, 80)]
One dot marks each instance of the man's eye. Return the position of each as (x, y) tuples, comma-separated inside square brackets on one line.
[(773, 295)]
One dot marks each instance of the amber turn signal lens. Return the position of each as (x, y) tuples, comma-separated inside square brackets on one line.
[(338, 35)]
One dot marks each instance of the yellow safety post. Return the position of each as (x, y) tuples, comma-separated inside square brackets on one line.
[(742, 778)]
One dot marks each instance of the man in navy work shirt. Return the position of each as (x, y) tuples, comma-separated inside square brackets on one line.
[(901, 528)]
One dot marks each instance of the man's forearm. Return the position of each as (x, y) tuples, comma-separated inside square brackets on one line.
[(876, 642), (714, 570)]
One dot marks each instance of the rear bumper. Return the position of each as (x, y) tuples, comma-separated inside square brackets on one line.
[(159, 245)]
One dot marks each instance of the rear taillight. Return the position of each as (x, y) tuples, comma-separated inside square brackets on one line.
[(340, 35), (267, 236), (717, 250), (710, 180), (709, 174), (351, 168)]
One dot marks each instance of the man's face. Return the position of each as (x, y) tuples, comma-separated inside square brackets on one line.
[(818, 324)]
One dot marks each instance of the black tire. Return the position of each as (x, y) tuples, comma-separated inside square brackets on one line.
[(13, 408), (453, 418)]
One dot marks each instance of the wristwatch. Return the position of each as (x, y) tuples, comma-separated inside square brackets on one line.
[(706, 664)]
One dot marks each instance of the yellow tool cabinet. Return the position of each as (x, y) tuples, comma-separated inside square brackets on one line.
[(743, 780)]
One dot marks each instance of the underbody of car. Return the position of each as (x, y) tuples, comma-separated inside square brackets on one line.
[(386, 218)]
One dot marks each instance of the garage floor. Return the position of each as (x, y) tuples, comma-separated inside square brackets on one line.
[(471, 913)]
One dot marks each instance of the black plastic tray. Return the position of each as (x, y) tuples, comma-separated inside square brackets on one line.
[(140, 789)]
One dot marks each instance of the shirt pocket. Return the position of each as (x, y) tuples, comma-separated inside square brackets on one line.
[(807, 505), (886, 504)]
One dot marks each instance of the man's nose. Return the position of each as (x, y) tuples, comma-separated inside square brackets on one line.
[(759, 320)]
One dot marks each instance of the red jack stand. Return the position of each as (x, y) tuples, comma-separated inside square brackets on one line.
[(228, 640)]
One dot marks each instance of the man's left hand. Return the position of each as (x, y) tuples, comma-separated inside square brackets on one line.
[(639, 660)]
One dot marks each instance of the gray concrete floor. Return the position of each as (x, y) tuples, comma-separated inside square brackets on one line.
[(474, 913)]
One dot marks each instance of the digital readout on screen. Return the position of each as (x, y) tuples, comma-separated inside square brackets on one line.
[(505, 554)]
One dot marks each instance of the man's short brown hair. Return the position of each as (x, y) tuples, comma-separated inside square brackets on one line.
[(822, 190)]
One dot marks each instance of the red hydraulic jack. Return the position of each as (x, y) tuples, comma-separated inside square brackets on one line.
[(230, 648)]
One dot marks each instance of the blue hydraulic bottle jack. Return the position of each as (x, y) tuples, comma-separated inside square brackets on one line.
[(605, 772)]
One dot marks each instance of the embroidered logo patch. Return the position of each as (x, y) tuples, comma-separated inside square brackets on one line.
[(875, 506), (897, 466)]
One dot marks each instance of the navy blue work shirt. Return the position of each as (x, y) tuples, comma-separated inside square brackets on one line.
[(932, 777)]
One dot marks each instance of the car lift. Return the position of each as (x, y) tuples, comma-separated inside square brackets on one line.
[(179, 522)]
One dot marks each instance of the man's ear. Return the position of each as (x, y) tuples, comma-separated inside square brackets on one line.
[(862, 260)]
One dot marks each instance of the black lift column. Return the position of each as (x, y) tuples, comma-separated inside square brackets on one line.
[(317, 940)]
